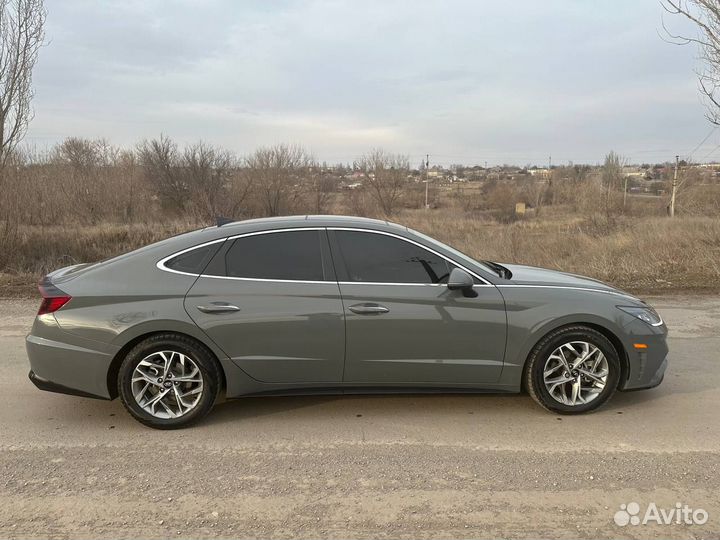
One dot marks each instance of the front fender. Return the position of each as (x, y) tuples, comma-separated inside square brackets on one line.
[(533, 313)]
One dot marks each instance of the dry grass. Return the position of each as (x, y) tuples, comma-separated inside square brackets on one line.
[(648, 255), (641, 254)]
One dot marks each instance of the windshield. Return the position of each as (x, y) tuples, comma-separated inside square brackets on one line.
[(457, 253)]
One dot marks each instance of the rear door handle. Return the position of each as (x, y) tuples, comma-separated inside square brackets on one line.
[(368, 309), (218, 307)]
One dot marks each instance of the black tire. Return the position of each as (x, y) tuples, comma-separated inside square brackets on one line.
[(198, 353), (538, 358)]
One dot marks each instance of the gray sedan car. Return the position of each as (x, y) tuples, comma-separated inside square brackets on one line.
[(332, 305)]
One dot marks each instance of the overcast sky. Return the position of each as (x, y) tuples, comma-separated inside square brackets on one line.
[(465, 81)]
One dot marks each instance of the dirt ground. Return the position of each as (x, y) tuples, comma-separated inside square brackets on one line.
[(459, 466)]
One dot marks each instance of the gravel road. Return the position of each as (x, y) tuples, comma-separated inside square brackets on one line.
[(464, 466)]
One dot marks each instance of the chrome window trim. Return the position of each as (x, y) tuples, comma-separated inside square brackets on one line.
[(270, 280), (161, 263), (394, 284), (272, 231), (418, 244)]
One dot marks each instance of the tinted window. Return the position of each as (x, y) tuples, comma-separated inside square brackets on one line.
[(193, 262), (283, 255), (379, 258)]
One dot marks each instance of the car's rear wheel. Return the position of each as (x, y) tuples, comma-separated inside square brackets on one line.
[(168, 381), (572, 370)]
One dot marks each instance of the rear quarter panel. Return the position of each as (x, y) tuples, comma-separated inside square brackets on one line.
[(115, 304)]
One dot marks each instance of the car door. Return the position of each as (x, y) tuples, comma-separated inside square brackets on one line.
[(403, 325), (271, 302)]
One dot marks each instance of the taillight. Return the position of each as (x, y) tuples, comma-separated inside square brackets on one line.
[(53, 299)]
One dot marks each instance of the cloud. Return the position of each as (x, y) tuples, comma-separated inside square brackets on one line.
[(511, 82)]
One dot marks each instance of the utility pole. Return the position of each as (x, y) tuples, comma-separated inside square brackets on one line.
[(427, 166), (674, 188), (625, 192), (549, 174)]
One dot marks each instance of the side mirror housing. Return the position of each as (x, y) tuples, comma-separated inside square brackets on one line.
[(460, 280)]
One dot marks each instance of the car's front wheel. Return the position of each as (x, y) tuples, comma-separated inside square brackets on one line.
[(572, 370), (168, 381)]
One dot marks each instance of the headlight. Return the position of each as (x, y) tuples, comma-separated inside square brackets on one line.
[(645, 314)]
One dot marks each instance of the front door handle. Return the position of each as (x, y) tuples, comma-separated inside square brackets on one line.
[(368, 309), (218, 307)]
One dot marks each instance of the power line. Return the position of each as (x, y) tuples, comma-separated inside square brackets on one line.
[(690, 155), (711, 152)]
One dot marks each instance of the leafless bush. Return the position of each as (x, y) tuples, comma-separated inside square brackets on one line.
[(385, 177), (320, 191), (501, 197), (699, 200), (469, 200), (413, 196), (85, 168), (277, 173), (357, 202), (612, 182), (160, 160), (534, 192), (208, 171)]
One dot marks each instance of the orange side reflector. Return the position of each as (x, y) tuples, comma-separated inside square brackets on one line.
[(640, 345)]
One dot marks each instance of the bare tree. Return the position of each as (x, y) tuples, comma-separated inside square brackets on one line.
[(277, 173), (86, 167), (612, 179), (238, 194), (21, 36), (535, 191), (385, 177), (705, 14), (161, 162), (78, 153), (321, 187), (207, 170)]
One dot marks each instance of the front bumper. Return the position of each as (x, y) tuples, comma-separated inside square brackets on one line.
[(646, 366)]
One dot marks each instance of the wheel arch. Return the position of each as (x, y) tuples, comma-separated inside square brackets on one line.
[(598, 327), (137, 337)]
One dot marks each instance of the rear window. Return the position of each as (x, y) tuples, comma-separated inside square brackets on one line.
[(291, 255), (193, 262)]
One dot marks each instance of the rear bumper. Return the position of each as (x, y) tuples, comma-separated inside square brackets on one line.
[(68, 368), (50, 386)]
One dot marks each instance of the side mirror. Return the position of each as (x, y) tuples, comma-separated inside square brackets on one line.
[(460, 280)]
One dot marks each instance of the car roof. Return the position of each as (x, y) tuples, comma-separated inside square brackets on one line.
[(197, 238), (309, 220), (236, 228)]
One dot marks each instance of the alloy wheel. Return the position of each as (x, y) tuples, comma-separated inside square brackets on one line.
[(167, 384), (576, 373)]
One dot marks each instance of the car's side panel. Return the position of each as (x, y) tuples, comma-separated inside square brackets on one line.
[(430, 335), (284, 332)]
